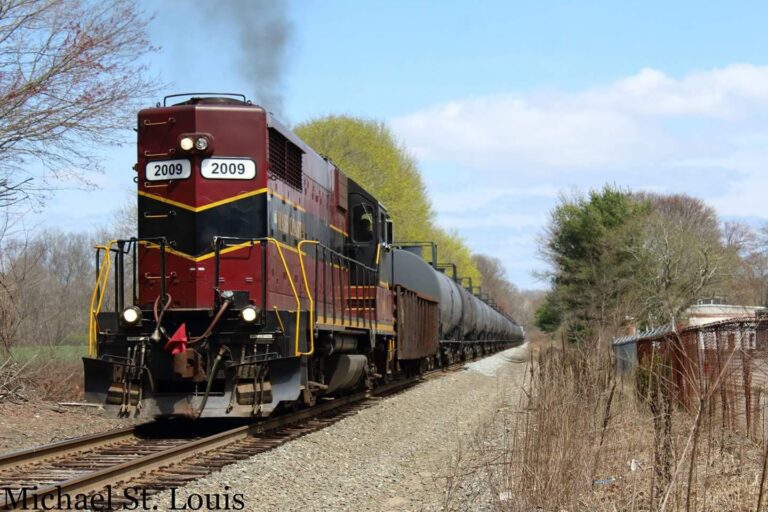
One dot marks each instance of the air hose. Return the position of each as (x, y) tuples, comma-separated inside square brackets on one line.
[(159, 317), (213, 323), (211, 376), (157, 334)]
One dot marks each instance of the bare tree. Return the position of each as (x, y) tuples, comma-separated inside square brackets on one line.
[(71, 76), (45, 285), (16, 273), (739, 237), (520, 304), (125, 221), (495, 281), (749, 270), (681, 254)]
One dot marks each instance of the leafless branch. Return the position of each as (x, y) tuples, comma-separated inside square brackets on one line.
[(71, 76)]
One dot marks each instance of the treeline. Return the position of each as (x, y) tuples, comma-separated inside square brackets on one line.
[(45, 288), (619, 257)]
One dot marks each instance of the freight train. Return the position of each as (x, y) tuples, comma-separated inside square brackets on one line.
[(263, 278)]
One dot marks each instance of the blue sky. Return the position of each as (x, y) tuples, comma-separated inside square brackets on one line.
[(505, 104)]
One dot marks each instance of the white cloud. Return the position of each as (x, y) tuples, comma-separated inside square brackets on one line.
[(486, 132), (723, 93), (609, 126), (500, 161)]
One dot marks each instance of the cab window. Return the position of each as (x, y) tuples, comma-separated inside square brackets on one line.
[(362, 223)]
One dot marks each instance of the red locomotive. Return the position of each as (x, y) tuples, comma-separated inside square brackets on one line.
[(263, 277)]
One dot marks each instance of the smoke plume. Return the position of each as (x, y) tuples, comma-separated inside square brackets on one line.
[(264, 31)]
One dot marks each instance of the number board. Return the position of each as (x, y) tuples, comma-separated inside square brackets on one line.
[(168, 170), (228, 168)]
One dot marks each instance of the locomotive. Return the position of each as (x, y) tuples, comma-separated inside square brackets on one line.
[(263, 278)]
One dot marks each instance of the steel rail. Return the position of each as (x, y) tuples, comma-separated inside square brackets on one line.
[(79, 444)]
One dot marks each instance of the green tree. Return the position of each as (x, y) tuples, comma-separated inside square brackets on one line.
[(367, 151), (592, 272)]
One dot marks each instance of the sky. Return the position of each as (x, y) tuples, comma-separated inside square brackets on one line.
[(506, 105)]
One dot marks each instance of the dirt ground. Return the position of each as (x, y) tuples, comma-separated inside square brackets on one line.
[(35, 423)]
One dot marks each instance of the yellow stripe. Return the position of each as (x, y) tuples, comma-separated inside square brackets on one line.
[(231, 248), (311, 300), (295, 205), (205, 207), (338, 230), (293, 289), (97, 298), (352, 322)]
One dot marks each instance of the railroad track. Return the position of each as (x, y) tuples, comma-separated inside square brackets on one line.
[(125, 467)]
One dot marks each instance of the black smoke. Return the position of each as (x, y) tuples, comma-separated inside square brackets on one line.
[(264, 32)]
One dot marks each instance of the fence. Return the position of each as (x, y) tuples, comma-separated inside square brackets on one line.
[(721, 367)]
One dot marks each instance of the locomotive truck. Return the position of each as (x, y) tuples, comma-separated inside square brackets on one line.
[(262, 277)]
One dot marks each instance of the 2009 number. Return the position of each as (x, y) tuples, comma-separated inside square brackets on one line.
[(228, 169), (168, 170)]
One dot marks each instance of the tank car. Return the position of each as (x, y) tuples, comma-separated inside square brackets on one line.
[(261, 277)]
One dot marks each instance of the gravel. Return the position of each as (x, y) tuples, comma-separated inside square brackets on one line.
[(393, 456), (489, 366)]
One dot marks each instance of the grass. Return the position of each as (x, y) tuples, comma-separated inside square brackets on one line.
[(63, 353), (43, 372), (578, 438)]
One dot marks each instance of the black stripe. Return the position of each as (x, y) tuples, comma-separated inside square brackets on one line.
[(251, 217)]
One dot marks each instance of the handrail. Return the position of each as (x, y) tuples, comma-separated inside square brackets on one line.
[(293, 288), (345, 262), (342, 259), (309, 295), (97, 297), (287, 273)]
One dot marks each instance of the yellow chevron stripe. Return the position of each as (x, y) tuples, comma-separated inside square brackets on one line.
[(227, 200), (204, 207), (209, 255)]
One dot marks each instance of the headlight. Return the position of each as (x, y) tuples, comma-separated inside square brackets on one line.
[(249, 314), (186, 143), (131, 315), (201, 144)]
